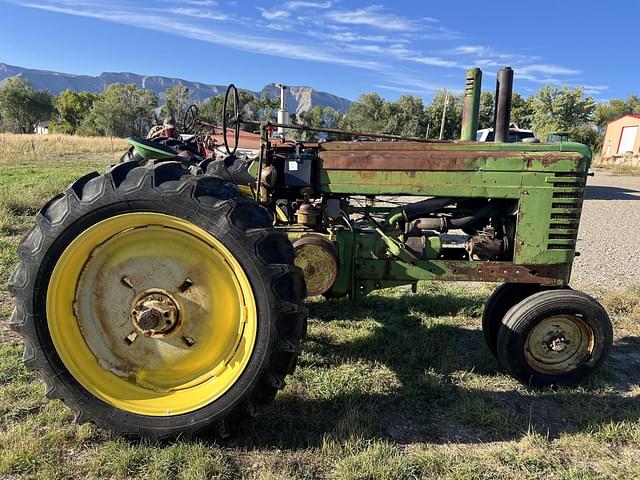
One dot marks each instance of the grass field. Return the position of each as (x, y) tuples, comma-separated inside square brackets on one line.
[(399, 386), (619, 169)]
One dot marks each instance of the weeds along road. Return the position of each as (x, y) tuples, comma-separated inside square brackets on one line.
[(609, 233)]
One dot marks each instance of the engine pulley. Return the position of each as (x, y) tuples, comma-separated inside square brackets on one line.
[(318, 259)]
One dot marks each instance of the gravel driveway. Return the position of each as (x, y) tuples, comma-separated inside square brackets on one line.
[(609, 234)]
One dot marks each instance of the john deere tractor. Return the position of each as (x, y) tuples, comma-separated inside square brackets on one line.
[(165, 297)]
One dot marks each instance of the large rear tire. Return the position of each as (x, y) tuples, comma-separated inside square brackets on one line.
[(156, 303)]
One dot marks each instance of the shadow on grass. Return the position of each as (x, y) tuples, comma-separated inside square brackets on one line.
[(405, 370)]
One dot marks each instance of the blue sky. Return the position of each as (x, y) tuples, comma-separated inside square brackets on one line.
[(345, 47)]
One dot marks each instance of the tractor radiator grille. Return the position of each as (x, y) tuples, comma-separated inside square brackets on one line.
[(565, 210)]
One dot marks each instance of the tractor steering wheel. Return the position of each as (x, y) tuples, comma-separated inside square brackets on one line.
[(233, 119), (189, 119)]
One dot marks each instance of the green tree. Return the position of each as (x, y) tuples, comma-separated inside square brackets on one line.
[(370, 113), (250, 108), (589, 135), (71, 108), (265, 108), (407, 117), (121, 110), (176, 101), (487, 109), (317, 117), (560, 109), (210, 110), (453, 118), (616, 108), (311, 118), (521, 111), (21, 107), (144, 104)]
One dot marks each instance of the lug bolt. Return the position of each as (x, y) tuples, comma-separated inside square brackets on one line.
[(185, 285), (131, 338)]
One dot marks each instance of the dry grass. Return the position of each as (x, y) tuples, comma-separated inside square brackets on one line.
[(397, 386), (623, 303), (627, 170), (19, 148), (35, 167)]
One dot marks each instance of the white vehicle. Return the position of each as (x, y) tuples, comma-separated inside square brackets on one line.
[(515, 134)]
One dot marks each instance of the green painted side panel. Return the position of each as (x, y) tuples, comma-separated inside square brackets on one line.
[(546, 180), (548, 218), (462, 184), (549, 186), (345, 242)]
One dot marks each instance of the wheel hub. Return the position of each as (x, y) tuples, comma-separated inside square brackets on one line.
[(559, 344), (155, 312)]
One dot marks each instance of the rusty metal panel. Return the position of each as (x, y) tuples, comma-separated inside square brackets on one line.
[(426, 160), (373, 269)]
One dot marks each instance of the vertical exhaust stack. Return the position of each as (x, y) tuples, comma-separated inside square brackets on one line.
[(283, 113), (504, 90), (471, 109)]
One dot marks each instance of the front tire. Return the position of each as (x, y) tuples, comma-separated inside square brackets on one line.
[(215, 315), (500, 302), (554, 338)]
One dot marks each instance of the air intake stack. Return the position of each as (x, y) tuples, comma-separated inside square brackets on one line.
[(471, 109)]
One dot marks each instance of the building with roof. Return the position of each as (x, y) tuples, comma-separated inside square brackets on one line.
[(41, 128), (622, 137)]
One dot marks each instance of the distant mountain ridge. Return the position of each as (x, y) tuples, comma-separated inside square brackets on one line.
[(299, 98)]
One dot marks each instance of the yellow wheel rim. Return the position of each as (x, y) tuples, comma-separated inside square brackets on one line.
[(151, 314)]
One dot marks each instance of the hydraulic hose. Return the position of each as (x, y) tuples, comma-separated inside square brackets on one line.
[(412, 211), (444, 224)]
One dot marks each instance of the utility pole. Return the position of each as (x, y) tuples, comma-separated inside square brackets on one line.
[(444, 113)]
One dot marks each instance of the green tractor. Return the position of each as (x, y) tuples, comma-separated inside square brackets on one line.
[(165, 297)]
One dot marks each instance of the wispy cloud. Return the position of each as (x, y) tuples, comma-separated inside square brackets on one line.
[(548, 70), (240, 41), (294, 5), (595, 89), (374, 16), (409, 83), (389, 45), (198, 13), (471, 50), (273, 14), (437, 62), (407, 90), (401, 52), (352, 37), (527, 67), (202, 3)]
